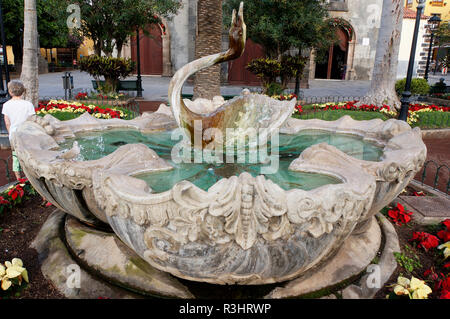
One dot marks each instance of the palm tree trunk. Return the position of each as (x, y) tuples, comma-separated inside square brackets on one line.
[(29, 75), (208, 41), (382, 87)]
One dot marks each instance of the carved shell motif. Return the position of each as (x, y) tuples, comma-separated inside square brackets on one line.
[(237, 208)]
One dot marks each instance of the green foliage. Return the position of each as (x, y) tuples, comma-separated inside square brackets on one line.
[(109, 23), (110, 68), (439, 87), (280, 25), (409, 263), (274, 89), (443, 32), (269, 70), (52, 27), (432, 120), (291, 66), (419, 86), (266, 69), (333, 115)]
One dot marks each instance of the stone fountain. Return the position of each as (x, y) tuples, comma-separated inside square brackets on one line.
[(139, 222)]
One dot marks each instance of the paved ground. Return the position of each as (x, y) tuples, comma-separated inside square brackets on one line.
[(155, 87)]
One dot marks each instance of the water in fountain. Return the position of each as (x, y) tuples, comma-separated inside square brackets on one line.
[(96, 145)]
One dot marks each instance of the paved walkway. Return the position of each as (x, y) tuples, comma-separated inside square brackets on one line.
[(156, 87)]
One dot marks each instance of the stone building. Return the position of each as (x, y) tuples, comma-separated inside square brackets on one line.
[(357, 23)]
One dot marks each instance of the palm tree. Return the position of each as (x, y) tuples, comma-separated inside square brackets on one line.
[(208, 41), (29, 75), (382, 87)]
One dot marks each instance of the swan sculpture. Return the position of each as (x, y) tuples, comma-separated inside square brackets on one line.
[(244, 114)]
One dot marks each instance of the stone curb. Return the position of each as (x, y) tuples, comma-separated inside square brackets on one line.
[(57, 266), (441, 133), (387, 265)]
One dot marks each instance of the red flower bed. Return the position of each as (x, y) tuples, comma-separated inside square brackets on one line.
[(425, 240), (399, 215), (78, 108)]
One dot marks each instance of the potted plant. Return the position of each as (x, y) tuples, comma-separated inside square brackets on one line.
[(112, 69)]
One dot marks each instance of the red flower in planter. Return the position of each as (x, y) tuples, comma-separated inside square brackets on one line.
[(447, 223), (445, 234), (399, 215), (419, 194), (425, 240), (16, 192), (3, 201)]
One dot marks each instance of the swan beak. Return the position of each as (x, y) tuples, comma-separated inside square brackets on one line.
[(241, 12)]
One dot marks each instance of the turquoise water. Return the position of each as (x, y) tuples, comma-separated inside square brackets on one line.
[(96, 145)]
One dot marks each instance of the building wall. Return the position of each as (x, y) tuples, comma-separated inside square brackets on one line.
[(405, 46), (364, 16), (431, 7), (183, 29)]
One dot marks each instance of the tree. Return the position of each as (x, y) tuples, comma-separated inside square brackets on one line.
[(384, 75), (208, 41), (110, 23), (52, 28), (286, 28), (282, 25), (29, 75)]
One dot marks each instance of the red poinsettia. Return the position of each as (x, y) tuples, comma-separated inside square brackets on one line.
[(445, 234), (399, 215), (444, 284), (15, 192), (3, 201), (425, 240), (419, 194), (447, 223)]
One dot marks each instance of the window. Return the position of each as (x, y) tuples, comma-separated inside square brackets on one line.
[(338, 5), (409, 3), (437, 3)]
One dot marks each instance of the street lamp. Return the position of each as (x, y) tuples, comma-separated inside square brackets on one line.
[(434, 24), (3, 88), (406, 95)]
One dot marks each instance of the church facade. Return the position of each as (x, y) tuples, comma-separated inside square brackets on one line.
[(356, 22)]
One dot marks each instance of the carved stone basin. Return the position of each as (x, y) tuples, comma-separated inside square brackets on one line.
[(243, 228), (233, 223)]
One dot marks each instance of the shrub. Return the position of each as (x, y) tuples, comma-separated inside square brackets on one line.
[(110, 68), (266, 69), (274, 89), (269, 70), (418, 86), (439, 87)]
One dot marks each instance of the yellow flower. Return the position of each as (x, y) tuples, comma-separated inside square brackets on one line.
[(14, 269), (446, 250), (402, 286), (419, 289)]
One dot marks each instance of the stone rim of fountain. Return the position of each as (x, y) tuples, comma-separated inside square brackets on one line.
[(68, 179)]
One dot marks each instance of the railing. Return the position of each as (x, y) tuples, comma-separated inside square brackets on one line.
[(439, 173)]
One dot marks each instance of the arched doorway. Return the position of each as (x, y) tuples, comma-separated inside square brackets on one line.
[(151, 51), (332, 63), (237, 73)]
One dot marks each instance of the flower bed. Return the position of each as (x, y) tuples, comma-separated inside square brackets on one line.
[(422, 115), (59, 107), (14, 194), (423, 266)]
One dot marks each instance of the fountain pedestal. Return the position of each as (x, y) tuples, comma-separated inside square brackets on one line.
[(110, 269)]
